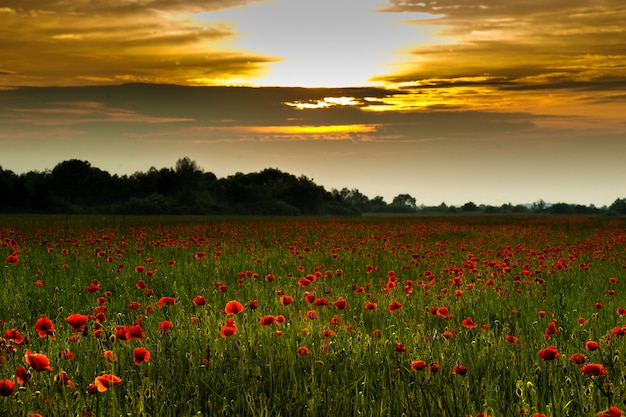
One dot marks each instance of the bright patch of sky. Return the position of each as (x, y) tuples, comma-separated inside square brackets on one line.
[(323, 43)]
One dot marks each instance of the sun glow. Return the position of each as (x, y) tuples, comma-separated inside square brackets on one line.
[(323, 103), (316, 130)]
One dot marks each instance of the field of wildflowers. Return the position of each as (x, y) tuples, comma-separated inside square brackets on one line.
[(376, 316)]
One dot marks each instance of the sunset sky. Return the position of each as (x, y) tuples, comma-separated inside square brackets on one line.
[(494, 101)]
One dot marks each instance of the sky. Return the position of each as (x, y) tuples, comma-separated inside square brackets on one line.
[(451, 101)]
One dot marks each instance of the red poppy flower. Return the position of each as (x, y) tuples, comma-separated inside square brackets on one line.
[(106, 381), (394, 306), (591, 345), (109, 356), (77, 321), (12, 259), (302, 351), (328, 333), (140, 354), (253, 305), (199, 300), (611, 412), (434, 367), (418, 365), (368, 305), (6, 387), (165, 326), (577, 359), (140, 268), (22, 375), (341, 304), (286, 300), (443, 312), (459, 370), (229, 328), (400, 348), (62, 378), (548, 354), (593, 369), (136, 331), (267, 320), (168, 301), (469, 323), (447, 334), (14, 336), (321, 302), (38, 361), (311, 315), (233, 307)]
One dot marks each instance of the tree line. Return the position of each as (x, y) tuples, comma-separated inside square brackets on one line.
[(74, 186)]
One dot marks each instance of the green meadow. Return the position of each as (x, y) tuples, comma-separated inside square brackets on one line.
[(372, 316)]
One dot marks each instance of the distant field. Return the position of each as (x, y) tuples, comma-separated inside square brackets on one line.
[(370, 316)]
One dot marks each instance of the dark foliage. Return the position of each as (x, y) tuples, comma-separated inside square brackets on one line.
[(75, 186)]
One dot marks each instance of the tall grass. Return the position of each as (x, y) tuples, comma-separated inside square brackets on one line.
[(512, 275)]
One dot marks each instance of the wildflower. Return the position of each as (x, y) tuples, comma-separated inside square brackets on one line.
[(136, 331), (321, 302), (548, 354), (328, 333), (12, 259), (168, 301), (253, 305), (199, 255), (77, 321), (199, 300), (229, 328), (285, 300), (418, 365), (368, 305), (400, 348), (447, 334), (233, 307), (394, 306), (62, 378), (106, 381), (38, 361), (6, 387), (434, 367), (578, 359), (341, 304), (140, 354), (302, 351), (22, 375), (591, 345), (593, 369), (165, 326), (611, 412), (469, 323), (443, 312), (14, 336), (459, 370), (267, 320), (109, 356)]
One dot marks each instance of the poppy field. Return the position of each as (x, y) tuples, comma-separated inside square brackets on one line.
[(373, 316)]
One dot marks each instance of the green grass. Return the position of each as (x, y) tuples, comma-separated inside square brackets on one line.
[(357, 371)]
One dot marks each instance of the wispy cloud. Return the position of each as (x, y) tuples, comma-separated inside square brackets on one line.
[(66, 43)]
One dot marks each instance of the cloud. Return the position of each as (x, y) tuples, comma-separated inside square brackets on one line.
[(494, 48), (66, 43)]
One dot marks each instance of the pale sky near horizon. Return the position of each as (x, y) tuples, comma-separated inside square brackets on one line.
[(451, 100)]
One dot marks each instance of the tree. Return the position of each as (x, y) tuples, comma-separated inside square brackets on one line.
[(405, 201), (618, 206), (469, 206)]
